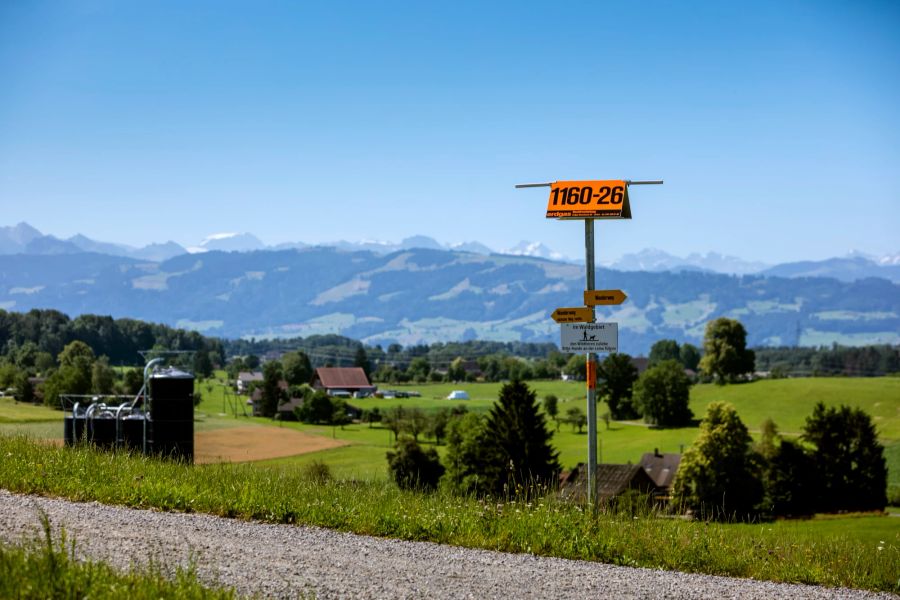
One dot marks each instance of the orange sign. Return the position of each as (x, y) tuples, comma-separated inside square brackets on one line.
[(577, 314), (604, 297), (606, 199)]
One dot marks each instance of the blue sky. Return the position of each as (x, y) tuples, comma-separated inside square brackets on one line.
[(776, 125)]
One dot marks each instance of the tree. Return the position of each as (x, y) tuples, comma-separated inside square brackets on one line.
[(662, 395), (8, 374), (456, 372), (437, 426), (395, 420), (316, 409), (416, 422), (134, 381), (689, 355), (361, 360), (414, 468), (551, 407), (24, 388), (725, 354), (516, 442), (251, 362), (26, 355), (234, 367), (664, 350), (465, 455), (372, 415), (297, 368), (850, 461), (76, 354), (719, 475), (418, 369), (576, 417), (575, 367), (103, 377), (616, 377), (202, 365), (66, 380), (339, 414), (272, 393), (788, 475)]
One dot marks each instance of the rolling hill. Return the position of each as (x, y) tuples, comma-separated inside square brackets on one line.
[(426, 295)]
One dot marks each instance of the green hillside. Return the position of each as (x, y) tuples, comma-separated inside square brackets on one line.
[(787, 401)]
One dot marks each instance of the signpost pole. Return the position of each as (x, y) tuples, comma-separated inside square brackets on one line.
[(590, 371), (574, 200)]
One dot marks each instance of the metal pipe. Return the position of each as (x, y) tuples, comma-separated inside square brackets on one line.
[(627, 181), (591, 391), (119, 410), (146, 390), (149, 365)]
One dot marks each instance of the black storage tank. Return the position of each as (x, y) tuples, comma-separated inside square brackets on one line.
[(73, 429), (131, 432), (102, 430), (171, 416)]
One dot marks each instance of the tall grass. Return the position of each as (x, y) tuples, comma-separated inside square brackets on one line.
[(539, 525), (47, 568)]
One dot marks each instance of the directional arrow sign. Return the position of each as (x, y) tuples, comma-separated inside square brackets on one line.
[(604, 297), (577, 314)]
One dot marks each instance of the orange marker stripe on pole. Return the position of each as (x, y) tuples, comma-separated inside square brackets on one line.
[(591, 374)]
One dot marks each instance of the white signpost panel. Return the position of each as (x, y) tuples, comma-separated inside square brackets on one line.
[(580, 338)]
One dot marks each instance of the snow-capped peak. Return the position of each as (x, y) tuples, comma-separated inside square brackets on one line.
[(536, 249)]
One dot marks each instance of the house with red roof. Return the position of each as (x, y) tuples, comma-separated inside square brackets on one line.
[(340, 380)]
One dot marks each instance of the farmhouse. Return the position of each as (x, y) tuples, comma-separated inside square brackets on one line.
[(245, 378), (612, 481), (342, 380), (661, 468), (257, 396)]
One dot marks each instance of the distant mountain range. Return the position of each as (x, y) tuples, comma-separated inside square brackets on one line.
[(418, 295), (25, 239)]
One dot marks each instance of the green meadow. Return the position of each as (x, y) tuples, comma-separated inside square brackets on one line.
[(786, 401)]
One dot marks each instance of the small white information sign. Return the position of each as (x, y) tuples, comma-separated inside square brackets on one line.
[(589, 337)]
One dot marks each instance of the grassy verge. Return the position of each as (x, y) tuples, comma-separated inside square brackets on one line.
[(540, 526), (47, 568)]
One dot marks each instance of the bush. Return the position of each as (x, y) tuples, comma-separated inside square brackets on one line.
[(414, 468), (316, 472)]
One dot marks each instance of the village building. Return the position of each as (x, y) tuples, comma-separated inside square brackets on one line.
[(612, 481), (661, 467), (339, 381), (245, 378)]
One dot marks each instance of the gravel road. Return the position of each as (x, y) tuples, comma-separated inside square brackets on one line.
[(286, 561)]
